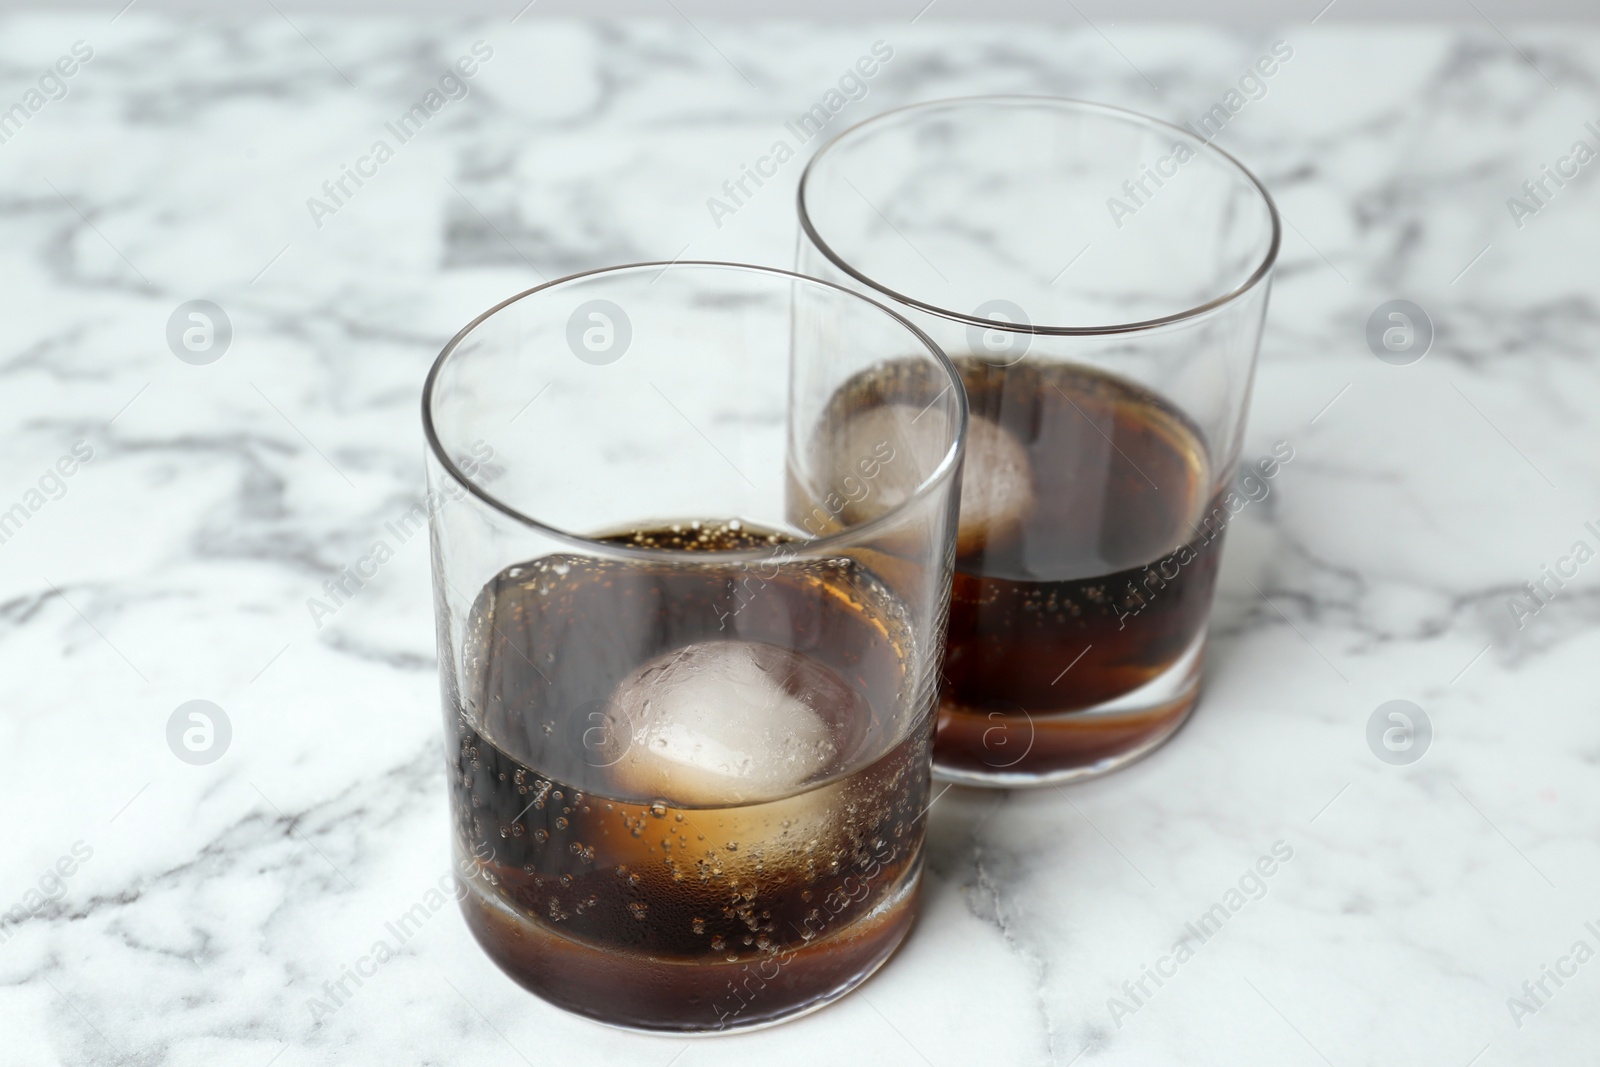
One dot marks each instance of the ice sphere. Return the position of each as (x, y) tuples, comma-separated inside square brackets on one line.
[(996, 485), (728, 722)]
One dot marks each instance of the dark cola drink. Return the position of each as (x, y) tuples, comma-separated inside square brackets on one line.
[(1091, 529), (698, 785), (1102, 585)]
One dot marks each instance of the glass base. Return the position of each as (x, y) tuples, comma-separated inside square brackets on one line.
[(1070, 746), (691, 998)]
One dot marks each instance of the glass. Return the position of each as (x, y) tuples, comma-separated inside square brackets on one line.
[(688, 638), (1100, 280)]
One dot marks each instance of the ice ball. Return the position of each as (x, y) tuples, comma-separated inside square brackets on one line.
[(996, 482), (728, 722)]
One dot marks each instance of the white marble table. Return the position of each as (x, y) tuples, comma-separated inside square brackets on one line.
[(206, 906)]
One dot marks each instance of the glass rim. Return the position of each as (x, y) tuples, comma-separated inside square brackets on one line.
[(1261, 272), (941, 473)]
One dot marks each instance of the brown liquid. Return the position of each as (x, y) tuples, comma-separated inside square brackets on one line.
[(1104, 585), (649, 911)]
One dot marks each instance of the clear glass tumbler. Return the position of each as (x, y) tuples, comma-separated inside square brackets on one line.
[(1100, 280), (689, 675)]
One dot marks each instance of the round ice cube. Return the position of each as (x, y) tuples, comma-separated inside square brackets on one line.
[(727, 722), (996, 483)]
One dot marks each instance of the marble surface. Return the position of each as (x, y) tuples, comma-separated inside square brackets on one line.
[(206, 905)]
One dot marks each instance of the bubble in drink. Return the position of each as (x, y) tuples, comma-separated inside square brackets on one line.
[(728, 722)]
